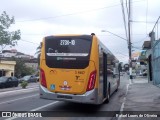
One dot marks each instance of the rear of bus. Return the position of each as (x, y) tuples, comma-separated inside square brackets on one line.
[(68, 71)]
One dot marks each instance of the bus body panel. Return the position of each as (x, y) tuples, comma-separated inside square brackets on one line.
[(90, 97), (69, 81)]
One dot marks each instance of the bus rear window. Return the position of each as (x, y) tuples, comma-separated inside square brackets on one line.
[(68, 52)]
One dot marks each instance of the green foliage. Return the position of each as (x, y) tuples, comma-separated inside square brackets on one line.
[(7, 37), (38, 52), (29, 71), (21, 69), (24, 84)]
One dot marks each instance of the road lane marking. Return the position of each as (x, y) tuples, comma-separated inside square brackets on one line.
[(36, 109), (124, 100), (16, 91), (18, 99)]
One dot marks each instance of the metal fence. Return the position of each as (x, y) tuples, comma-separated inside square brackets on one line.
[(155, 43)]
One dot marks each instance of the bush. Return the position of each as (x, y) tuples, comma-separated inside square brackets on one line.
[(24, 84)]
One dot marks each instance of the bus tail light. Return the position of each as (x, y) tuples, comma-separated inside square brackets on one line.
[(91, 81), (43, 78)]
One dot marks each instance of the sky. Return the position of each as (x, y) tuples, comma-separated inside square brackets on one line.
[(39, 18)]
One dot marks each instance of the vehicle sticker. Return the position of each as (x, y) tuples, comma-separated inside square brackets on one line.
[(80, 81), (77, 77), (68, 54), (65, 58), (79, 72), (52, 87), (65, 87), (65, 83), (53, 72)]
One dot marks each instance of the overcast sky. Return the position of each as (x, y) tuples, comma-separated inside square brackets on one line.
[(39, 18)]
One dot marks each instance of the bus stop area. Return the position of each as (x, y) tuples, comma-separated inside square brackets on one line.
[(142, 96)]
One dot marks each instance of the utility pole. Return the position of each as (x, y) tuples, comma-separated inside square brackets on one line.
[(129, 39)]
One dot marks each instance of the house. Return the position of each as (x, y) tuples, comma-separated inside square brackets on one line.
[(14, 53), (7, 67)]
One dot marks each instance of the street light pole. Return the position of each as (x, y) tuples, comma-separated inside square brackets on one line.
[(114, 34), (129, 40)]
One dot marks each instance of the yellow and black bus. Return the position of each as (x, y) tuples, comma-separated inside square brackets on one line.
[(77, 68)]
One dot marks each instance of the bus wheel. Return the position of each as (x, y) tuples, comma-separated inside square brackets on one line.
[(117, 86), (108, 96)]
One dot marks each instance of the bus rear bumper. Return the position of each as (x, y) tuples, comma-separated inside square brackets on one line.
[(90, 97)]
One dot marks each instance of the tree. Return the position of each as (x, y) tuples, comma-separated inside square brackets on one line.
[(7, 37), (21, 69), (38, 52)]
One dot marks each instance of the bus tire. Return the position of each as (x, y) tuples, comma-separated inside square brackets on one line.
[(108, 95), (116, 88)]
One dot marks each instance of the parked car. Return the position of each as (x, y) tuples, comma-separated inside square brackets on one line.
[(29, 78), (8, 82), (37, 78)]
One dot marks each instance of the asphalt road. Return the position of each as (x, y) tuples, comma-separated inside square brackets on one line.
[(17, 99)]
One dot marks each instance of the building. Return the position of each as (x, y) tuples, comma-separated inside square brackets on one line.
[(146, 58), (152, 54), (7, 67), (14, 53), (155, 59)]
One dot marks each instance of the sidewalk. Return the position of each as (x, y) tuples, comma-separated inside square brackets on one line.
[(142, 96)]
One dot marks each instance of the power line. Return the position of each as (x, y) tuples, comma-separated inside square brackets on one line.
[(124, 34), (124, 18), (146, 16), (139, 40), (29, 42), (98, 35), (156, 23), (70, 14), (134, 21), (122, 51), (127, 7), (34, 34), (122, 54), (139, 48)]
